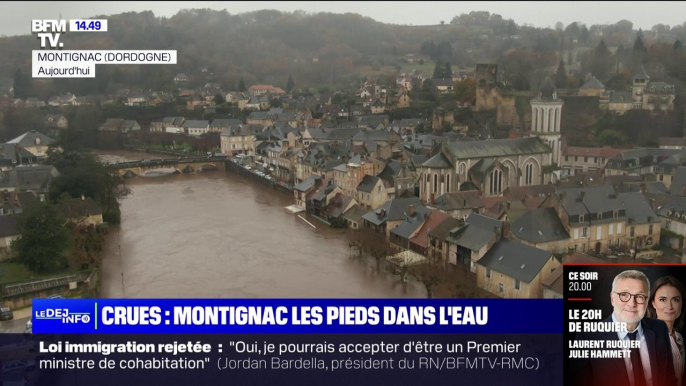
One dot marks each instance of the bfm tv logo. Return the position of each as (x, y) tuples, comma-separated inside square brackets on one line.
[(64, 315)]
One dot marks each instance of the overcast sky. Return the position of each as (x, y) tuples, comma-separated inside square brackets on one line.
[(16, 16)]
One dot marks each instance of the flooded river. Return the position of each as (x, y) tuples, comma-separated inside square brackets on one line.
[(220, 235)]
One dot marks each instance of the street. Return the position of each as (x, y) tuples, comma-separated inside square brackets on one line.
[(14, 326)]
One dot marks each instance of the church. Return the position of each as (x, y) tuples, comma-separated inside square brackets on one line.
[(493, 165)]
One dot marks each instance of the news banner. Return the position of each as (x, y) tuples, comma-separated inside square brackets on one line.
[(333, 341)]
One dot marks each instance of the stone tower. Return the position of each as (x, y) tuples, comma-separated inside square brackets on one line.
[(546, 115)]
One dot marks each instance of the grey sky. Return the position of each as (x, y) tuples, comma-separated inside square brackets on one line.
[(15, 17)]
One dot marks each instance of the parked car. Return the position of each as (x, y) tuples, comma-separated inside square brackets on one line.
[(17, 366), (29, 325), (6, 313), (55, 297)]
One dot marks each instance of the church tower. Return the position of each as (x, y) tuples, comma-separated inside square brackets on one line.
[(546, 115)]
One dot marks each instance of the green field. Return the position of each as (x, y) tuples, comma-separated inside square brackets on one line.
[(16, 272)]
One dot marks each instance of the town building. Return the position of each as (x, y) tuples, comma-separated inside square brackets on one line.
[(514, 270)]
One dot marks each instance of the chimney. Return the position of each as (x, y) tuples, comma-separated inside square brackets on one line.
[(410, 210), (563, 198)]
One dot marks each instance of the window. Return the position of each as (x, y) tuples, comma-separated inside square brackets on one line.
[(631, 232), (529, 174), (435, 183), (585, 159), (584, 232), (447, 183), (576, 158), (583, 247), (581, 218), (517, 285), (600, 216), (462, 167), (650, 229), (488, 272), (501, 288), (667, 225), (496, 182)]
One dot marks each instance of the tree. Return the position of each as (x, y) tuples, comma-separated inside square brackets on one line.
[(44, 238), (638, 54), (447, 72), (430, 274), (465, 91), (572, 31), (241, 85), (584, 35), (438, 71), (561, 75), (290, 84), (219, 99), (601, 63), (22, 85), (276, 103)]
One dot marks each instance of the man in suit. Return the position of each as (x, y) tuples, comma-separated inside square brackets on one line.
[(648, 365)]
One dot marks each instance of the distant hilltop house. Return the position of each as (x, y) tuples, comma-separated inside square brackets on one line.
[(180, 78), (137, 100), (644, 94), (34, 102), (652, 96), (120, 125), (56, 121), (62, 100), (262, 89)]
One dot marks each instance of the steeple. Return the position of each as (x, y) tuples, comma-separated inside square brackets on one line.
[(547, 91)]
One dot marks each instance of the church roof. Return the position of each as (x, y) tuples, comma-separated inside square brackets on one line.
[(641, 74), (593, 84), (439, 161), (496, 147)]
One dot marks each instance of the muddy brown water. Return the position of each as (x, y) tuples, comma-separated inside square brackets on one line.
[(221, 235)]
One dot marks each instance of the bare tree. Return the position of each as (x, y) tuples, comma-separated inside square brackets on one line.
[(429, 274)]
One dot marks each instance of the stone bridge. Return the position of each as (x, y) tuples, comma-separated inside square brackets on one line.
[(170, 165)]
